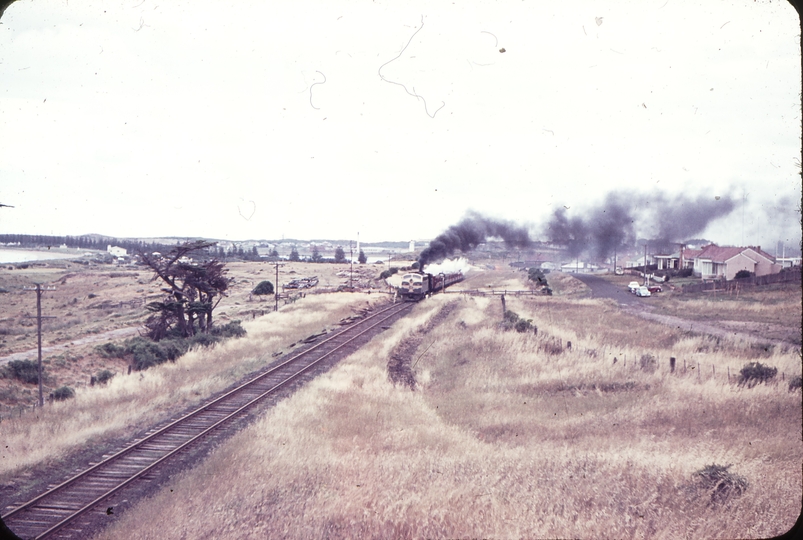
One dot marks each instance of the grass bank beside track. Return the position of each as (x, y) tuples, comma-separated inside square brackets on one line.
[(129, 403), (504, 436)]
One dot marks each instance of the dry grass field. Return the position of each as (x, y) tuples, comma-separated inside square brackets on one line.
[(91, 302), (509, 435)]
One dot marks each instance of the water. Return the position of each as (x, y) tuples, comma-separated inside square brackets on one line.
[(25, 255)]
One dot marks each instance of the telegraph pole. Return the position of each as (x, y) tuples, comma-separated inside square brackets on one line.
[(351, 260), (276, 290), (39, 318)]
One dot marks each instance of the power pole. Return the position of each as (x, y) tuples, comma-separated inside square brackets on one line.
[(39, 318), (646, 275), (351, 260), (276, 290)]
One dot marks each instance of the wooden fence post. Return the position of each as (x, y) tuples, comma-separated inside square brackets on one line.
[(671, 364)]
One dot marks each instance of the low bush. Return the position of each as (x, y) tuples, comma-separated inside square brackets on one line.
[(512, 321), (389, 272), (721, 484), (741, 274), (264, 287), (146, 353), (111, 350), (229, 330), (104, 376), (538, 275), (756, 372), (24, 370), (795, 382), (65, 392)]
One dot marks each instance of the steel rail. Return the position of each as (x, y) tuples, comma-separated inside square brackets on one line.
[(394, 309)]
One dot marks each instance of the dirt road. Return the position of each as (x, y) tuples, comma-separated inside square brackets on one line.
[(752, 332), (61, 347)]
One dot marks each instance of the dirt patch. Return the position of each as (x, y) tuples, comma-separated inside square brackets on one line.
[(402, 361), (753, 332)]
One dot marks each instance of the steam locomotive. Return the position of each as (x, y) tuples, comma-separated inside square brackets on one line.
[(417, 285)]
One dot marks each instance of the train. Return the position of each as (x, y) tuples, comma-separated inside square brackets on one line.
[(417, 285)]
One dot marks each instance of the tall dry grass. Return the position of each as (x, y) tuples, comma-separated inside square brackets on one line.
[(500, 439), (133, 402)]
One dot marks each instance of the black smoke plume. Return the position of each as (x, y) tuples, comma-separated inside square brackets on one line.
[(601, 229), (471, 231)]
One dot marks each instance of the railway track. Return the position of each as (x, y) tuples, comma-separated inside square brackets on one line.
[(62, 511)]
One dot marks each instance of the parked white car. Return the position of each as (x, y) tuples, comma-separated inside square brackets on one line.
[(643, 291), (633, 286)]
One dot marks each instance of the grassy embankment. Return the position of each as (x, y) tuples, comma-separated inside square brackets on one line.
[(129, 403), (507, 435)]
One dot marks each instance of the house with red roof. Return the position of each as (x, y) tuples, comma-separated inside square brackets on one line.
[(715, 262)]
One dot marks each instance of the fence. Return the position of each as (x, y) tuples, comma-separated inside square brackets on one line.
[(736, 285), (699, 370), (15, 411), (493, 292)]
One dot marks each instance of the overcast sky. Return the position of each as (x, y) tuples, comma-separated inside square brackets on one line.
[(300, 119)]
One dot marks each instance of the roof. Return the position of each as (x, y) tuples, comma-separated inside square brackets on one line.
[(691, 253), (721, 254)]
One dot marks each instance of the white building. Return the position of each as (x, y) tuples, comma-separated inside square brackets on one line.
[(117, 251)]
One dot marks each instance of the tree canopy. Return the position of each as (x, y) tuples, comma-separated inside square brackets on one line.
[(192, 291), (340, 255)]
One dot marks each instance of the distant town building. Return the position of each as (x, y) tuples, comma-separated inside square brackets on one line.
[(118, 252), (412, 246)]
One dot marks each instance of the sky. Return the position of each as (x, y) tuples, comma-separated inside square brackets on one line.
[(392, 120)]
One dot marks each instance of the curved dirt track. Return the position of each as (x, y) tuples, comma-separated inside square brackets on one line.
[(61, 347), (747, 331)]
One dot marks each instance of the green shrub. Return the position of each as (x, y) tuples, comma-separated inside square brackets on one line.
[(795, 382), (65, 392), (104, 376), (523, 325), (146, 353), (202, 340), (111, 350), (25, 371), (228, 330), (537, 275), (741, 274), (721, 484), (389, 272), (512, 321), (756, 372), (264, 287)]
